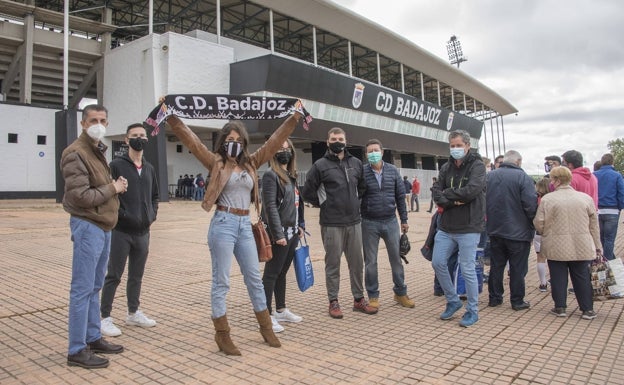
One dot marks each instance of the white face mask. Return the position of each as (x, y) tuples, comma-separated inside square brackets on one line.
[(96, 131)]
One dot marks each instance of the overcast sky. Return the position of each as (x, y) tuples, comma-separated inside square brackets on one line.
[(560, 63)]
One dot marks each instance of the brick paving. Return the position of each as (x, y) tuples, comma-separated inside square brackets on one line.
[(397, 345)]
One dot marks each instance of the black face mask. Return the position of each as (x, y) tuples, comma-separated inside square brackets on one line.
[(337, 147), (283, 157), (137, 144)]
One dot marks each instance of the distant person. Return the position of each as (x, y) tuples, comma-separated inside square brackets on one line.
[(415, 194), (334, 184), (433, 182), (582, 178), (597, 165), (179, 191), (610, 202), (511, 203), (460, 191), (91, 198), (200, 187), (568, 223), (130, 238), (542, 188), (498, 161), (550, 162), (383, 198), (407, 186), (282, 210)]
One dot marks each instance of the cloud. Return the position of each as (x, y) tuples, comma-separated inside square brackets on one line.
[(558, 62)]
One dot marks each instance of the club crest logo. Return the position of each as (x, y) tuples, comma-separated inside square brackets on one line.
[(449, 122), (358, 94)]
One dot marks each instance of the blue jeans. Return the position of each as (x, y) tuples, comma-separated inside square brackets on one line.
[(444, 246), (228, 235), (608, 230), (389, 231), (90, 258), (199, 194)]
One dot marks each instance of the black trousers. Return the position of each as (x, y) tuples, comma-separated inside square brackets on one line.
[(581, 282), (503, 250), (275, 270), (131, 248)]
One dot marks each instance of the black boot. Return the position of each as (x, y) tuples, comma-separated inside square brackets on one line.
[(86, 359)]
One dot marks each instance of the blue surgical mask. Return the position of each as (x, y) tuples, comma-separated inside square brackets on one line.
[(374, 157), (457, 153)]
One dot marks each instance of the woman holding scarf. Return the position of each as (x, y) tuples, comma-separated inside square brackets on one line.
[(232, 188)]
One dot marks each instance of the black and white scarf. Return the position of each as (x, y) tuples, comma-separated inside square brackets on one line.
[(231, 107)]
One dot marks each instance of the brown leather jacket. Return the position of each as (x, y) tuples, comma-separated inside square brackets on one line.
[(221, 171), (89, 190)]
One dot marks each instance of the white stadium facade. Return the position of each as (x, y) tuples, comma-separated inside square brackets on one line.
[(348, 71)]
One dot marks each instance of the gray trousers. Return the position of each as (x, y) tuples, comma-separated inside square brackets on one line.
[(337, 240)]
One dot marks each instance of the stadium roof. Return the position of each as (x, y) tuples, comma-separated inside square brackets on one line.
[(342, 37)]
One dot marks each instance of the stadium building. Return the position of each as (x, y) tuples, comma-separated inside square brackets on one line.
[(348, 71)]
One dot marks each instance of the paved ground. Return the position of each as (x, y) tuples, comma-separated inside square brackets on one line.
[(397, 345)]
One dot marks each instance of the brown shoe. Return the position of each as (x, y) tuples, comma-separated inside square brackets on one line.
[(373, 302), (101, 346), (334, 309), (363, 306), (404, 300)]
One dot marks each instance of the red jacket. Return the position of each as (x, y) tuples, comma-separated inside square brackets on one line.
[(415, 187), (584, 181)]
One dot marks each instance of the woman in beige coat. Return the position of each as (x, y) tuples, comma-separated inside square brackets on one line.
[(568, 222)]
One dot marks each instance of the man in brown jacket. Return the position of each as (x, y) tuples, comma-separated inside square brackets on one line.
[(91, 200)]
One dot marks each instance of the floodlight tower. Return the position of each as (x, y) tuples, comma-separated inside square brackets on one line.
[(453, 47)]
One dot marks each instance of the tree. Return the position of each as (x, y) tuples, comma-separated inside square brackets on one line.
[(616, 147)]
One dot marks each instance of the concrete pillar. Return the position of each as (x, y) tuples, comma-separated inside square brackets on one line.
[(105, 47), (27, 60)]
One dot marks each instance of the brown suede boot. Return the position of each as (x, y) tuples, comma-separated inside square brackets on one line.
[(222, 337), (266, 328)]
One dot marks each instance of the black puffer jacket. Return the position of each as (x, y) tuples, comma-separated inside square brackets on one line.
[(280, 205), (464, 184), (139, 205), (335, 185), (382, 203)]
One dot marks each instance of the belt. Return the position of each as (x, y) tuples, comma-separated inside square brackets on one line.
[(233, 210)]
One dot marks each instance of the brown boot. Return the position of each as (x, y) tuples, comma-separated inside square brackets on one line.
[(222, 337), (266, 328)]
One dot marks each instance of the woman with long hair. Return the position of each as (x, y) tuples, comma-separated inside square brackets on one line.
[(282, 208), (232, 188)]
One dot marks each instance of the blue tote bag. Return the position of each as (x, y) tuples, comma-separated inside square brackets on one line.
[(303, 266)]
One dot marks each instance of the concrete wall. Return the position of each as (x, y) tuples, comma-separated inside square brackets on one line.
[(138, 73), (26, 166)]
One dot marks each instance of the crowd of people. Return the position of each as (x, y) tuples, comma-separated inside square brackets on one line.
[(192, 187), (112, 208)]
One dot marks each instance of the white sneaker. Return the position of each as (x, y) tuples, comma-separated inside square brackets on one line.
[(108, 328), (287, 316), (277, 328), (139, 319)]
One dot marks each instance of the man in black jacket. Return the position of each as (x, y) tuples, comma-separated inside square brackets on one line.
[(130, 238), (460, 192), (384, 195), (511, 205), (334, 183)]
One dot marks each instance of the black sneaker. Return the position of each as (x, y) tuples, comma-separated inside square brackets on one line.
[(559, 311), (543, 288), (101, 346), (86, 359), (589, 314)]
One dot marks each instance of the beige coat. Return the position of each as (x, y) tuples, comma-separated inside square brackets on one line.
[(568, 222), (221, 171)]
